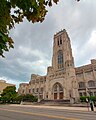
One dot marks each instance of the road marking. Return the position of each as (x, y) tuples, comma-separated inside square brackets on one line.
[(39, 114)]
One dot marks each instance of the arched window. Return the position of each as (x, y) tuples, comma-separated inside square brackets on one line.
[(60, 88), (60, 59), (81, 85), (55, 88), (91, 83)]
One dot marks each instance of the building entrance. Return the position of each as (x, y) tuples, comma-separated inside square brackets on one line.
[(57, 91)]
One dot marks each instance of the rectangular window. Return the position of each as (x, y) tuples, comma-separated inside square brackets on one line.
[(79, 74), (80, 94), (81, 85), (46, 96), (29, 90), (41, 90), (84, 93), (41, 97), (22, 91), (95, 93), (91, 93), (37, 89)]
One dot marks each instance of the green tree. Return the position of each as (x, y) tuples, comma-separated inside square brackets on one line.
[(13, 11), (9, 94), (83, 98), (27, 98)]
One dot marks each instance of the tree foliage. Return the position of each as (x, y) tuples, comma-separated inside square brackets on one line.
[(14, 11), (9, 94), (83, 98), (27, 98)]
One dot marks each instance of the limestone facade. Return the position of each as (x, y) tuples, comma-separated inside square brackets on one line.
[(3, 85), (63, 80)]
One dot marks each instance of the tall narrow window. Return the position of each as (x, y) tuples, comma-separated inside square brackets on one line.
[(33, 90), (60, 59), (60, 40), (29, 90)]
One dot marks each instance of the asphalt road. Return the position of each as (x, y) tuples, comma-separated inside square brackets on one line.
[(8, 112)]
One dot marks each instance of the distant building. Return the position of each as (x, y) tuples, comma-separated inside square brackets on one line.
[(63, 79), (24, 88), (3, 85)]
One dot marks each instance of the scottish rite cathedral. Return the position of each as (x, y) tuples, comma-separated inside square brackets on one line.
[(63, 80)]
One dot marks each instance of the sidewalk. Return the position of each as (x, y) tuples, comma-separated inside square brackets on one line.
[(57, 107)]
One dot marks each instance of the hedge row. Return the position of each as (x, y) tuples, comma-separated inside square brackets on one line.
[(85, 98)]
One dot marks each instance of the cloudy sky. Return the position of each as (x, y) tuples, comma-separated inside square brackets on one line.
[(33, 42)]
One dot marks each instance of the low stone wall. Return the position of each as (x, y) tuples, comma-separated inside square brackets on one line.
[(28, 103)]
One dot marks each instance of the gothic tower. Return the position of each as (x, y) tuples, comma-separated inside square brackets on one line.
[(63, 60), (62, 52)]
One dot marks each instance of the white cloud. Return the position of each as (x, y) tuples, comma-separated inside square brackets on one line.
[(8, 80), (87, 51), (92, 40)]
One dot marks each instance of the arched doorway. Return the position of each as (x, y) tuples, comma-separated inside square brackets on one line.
[(57, 91)]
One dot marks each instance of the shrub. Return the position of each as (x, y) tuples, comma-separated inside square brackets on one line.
[(83, 98)]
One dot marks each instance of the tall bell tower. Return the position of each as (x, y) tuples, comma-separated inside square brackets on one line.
[(62, 52), (63, 61)]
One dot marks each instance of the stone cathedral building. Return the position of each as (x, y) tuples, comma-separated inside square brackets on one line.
[(63, 80)]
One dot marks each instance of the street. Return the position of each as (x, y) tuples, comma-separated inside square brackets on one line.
[(13, 112)]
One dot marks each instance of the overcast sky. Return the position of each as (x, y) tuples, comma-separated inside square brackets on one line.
[(32, 52)]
